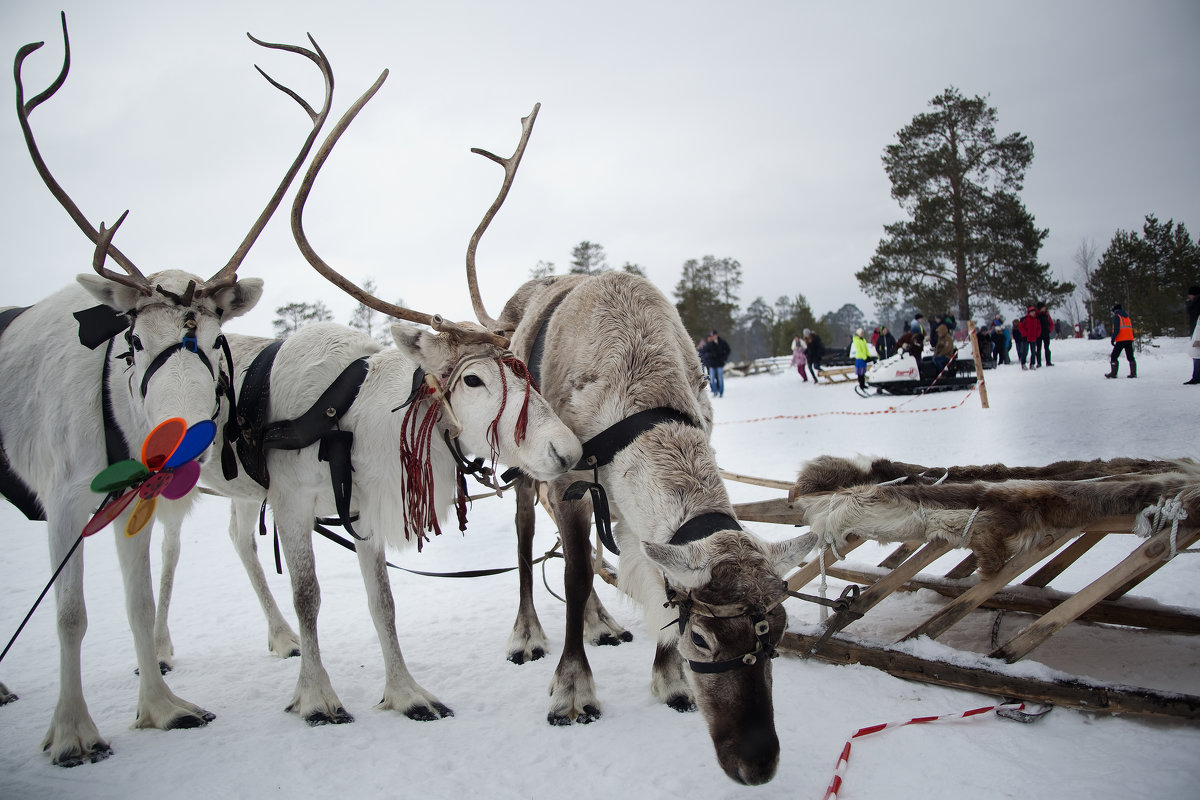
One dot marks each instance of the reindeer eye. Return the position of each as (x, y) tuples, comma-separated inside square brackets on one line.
[(698, 640), (473, 380)]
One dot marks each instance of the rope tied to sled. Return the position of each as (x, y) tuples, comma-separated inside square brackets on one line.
[(1154, 519)]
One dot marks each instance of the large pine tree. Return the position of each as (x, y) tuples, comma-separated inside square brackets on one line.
[(968, 232)]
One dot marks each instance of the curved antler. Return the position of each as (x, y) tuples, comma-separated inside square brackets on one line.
[(435, 321), (135, 279), (510, 165), (228, 274)]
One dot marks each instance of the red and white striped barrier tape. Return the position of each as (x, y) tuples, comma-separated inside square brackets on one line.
[(888, 410), (835, 785)]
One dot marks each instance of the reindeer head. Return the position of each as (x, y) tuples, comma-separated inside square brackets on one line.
[(171, 320), (728, 588)]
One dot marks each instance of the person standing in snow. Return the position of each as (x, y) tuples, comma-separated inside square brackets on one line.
[(713, 355), (1031, 331), (799, 360), (885, 345), (1047, 330), (943, 349), (858, 349), (814, 351), (1122, 341), (1193, 315)]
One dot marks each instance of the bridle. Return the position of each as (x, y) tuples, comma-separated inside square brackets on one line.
[(688, 605), (417, 431), (101, 324)]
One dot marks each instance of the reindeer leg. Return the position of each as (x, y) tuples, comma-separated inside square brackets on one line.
[(573, 691), (73, 737), (527, 642), (599, 627), (164, 649), (243, 517), (158, 706), (401, 692), (314, 699)]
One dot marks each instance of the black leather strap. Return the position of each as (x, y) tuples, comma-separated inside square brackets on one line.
[(602, 448), (537, 350), (703, 526)]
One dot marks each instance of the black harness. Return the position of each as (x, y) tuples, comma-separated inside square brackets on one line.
[(254, 435), (763, 646)]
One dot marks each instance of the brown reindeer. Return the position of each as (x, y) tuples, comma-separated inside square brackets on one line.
[(616, 364)]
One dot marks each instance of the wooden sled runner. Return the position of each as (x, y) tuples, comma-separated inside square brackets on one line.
[(968, 587)]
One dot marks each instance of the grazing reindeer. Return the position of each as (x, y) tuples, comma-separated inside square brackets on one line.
[(614, 361), (67, 411), (460, 390)]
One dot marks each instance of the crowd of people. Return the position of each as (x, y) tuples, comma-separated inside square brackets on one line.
[(1032, 335)]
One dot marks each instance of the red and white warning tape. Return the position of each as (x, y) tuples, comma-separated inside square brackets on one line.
[(835, 785)]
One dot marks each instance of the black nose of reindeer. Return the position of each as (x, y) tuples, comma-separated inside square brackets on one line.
[(753, 757)]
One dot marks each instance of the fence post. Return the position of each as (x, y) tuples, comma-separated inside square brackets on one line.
[(978, 362)]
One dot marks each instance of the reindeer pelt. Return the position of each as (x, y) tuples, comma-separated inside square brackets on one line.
[(828, 473), (994, 520)]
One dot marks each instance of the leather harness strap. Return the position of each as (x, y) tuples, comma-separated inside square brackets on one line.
[(537, 350), (318, 424)]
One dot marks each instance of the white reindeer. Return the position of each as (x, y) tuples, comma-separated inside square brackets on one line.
[(475, 398), (67, 411), (615, 362)]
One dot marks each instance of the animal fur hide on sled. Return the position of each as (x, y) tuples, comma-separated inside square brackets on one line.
[(994, 520), (827, 473)]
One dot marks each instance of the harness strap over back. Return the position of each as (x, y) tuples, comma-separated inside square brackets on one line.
[(318, 424)]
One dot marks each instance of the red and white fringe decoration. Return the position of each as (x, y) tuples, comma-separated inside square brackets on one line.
[(843, 760), (416, 435)]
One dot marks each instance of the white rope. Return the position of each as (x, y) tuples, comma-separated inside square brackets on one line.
[(1154, 519), (970, 520)]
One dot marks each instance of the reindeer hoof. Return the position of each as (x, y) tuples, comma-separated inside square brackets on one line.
[(339, 717), (163, 668), (6, 696), (609, 639), (185, 721), (681, 703), (76, 758), (427, 714), (626, 636), (294, 654), (588, 715), (518, 657)]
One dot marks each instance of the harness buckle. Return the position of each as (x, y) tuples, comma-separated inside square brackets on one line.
[(749, 659), (762, 627)]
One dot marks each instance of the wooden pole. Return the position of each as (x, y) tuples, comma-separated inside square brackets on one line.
[(978, 362)]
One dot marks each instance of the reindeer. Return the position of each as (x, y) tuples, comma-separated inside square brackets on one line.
[(616, 364), (460, 391), (67, 411)]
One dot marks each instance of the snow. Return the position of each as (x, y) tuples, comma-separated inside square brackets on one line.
[(498, 744)]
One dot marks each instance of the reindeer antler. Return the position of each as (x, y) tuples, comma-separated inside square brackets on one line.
[(510, 165), (135, 279), (228, 274), (435, 321)]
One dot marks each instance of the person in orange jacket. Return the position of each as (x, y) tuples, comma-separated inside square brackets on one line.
[(1122, 340)]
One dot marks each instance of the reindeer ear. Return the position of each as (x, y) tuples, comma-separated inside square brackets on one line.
[(685, 564), (110, 293), (407, 338), (785, 555), (238, 299)]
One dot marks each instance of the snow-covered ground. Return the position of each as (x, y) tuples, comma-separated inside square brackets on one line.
[(499, 746)]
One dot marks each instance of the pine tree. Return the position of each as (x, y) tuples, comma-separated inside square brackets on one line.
[(1148, 275), (293, 316), (968, 232)]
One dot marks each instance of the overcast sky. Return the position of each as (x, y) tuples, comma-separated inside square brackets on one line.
[(668, 131)]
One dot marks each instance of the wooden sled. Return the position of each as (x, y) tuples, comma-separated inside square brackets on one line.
[(1104, 600), (835, 374)]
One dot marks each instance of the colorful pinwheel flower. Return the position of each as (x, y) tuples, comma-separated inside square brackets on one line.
[(168, 468)]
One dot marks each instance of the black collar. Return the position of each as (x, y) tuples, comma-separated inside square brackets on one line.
[(603, 447), (703, 526)]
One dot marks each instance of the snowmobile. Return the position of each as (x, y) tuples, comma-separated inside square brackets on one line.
[(900, 374)]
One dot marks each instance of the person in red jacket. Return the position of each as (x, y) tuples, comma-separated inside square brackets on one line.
[(1030, 328), (1122, 340)]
